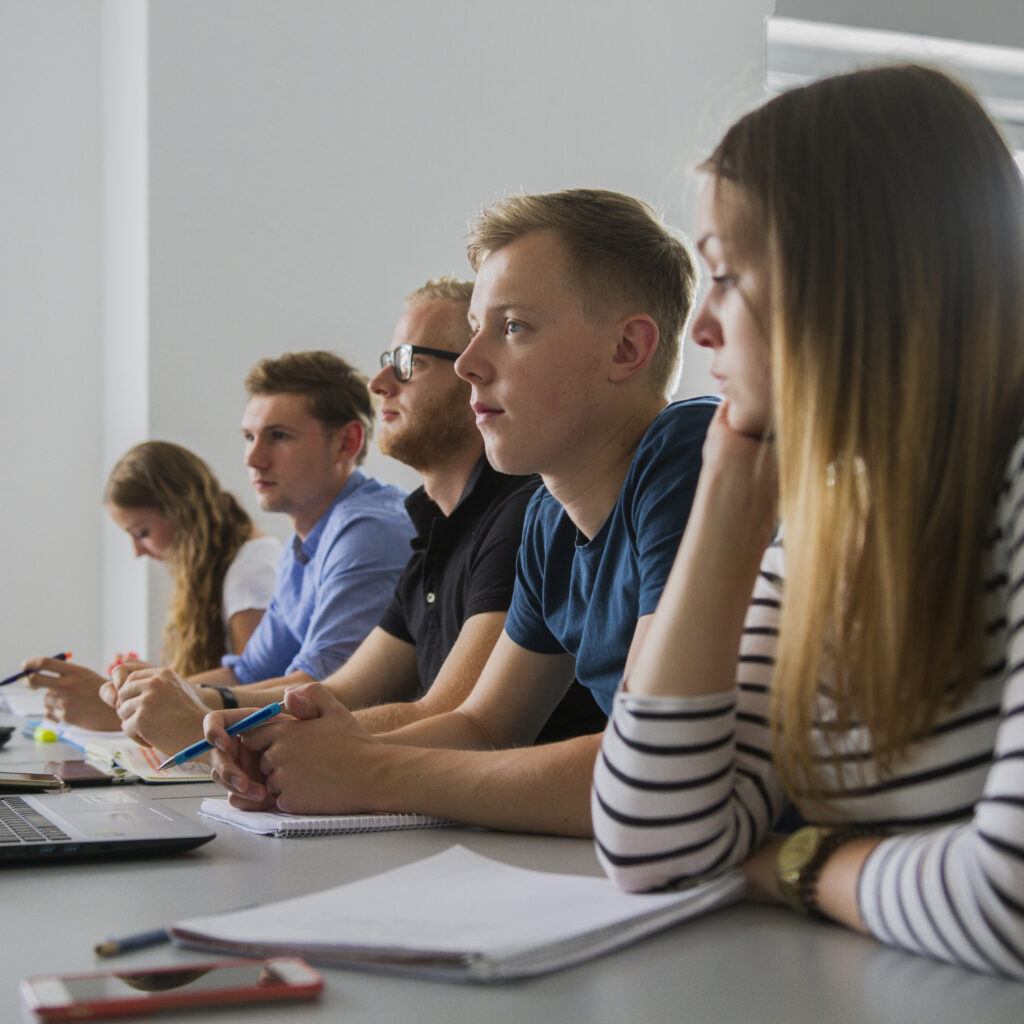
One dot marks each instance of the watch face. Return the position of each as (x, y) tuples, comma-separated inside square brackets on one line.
[(799, 848)]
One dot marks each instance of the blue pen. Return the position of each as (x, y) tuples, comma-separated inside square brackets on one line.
[(141, 940), (62, 656), (200, 748)]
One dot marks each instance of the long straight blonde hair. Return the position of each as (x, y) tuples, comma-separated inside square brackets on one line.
[(209, 528), (893, 228)]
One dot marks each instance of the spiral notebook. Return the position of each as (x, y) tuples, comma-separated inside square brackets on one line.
[(296, 825), (457, 916)]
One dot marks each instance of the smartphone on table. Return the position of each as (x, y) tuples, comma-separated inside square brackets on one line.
[(124, 993), (20, 782), (84, 773)]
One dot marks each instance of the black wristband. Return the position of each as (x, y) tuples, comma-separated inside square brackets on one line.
[(229, 699)]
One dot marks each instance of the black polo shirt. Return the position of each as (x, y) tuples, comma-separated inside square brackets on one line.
[(464, 565)]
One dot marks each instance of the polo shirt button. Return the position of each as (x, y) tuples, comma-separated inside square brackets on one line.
[(430, 598)]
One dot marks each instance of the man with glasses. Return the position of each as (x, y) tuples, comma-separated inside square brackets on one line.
[(424, 655)]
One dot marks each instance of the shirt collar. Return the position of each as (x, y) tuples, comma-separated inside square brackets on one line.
[(423, 511), (305, 550)]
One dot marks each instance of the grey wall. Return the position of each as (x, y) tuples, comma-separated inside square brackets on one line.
[(998, 22), (188, 185), (256, 176), (50, 337)]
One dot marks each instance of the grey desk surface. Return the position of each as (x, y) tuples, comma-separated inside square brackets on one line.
[(745, 963)]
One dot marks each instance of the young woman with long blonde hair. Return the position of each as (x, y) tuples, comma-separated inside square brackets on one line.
[(865, 241), (222, 570), (222, 567)]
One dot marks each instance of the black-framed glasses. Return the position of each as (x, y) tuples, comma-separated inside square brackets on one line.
[(400, 359)]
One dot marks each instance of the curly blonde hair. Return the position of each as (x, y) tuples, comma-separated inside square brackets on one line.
[(209, 528)]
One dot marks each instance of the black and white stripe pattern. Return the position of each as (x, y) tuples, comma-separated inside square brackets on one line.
[(685, 787)]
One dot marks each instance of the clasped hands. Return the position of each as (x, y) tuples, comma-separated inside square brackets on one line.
[(314, 758)]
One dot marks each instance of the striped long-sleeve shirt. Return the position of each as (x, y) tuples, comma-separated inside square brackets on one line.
[(685, 787)]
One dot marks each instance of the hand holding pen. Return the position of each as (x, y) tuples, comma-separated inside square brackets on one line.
[(237, 763), (291, 764), (190, 753), (28, 669), (72, 692)]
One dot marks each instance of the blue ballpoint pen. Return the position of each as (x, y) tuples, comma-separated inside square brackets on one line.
[(200, 748), (62, 656)]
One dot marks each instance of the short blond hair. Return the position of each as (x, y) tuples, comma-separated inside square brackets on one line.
[(336, 392), (620, 253), (446, 288)]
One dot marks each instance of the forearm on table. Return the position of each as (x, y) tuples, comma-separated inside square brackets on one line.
[(544, 789), (463, 731), (838, 882), (685, 785), (385, 718), (215, 677), (453, 730), (399, 704)]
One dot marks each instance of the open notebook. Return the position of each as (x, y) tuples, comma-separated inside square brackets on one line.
[(116, 749), (457, 916)]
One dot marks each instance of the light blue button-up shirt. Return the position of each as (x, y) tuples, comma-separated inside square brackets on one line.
[(331, 588)]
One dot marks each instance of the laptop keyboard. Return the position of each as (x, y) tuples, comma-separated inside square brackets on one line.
[(22, 823)]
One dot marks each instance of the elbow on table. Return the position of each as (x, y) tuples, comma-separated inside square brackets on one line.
[(639, 874), (641, 870)]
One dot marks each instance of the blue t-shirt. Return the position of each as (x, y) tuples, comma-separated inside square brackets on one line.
[(332, 587), (584, 596)]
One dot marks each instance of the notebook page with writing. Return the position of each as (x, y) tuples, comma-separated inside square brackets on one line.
[(500, 922), (297, 825), (115, 748)]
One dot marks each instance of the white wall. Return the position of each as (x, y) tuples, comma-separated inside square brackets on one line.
[(304, 165), (313, 162), (50, 314)]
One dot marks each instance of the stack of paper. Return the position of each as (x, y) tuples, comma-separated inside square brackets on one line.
[(459, 916)]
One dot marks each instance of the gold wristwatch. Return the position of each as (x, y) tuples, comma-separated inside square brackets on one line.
[(799, 862)]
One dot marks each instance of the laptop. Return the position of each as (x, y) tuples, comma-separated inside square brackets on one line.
[(89, 824)]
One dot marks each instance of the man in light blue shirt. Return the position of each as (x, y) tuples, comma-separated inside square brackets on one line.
[(305, 427), (331, 586)]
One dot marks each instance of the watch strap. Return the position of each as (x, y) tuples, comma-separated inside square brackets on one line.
[(229, 699), (799, 886)]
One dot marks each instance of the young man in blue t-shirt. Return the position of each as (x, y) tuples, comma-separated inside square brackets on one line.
[(577, 311)]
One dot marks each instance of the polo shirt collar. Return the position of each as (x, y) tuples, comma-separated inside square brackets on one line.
[(482, 480)]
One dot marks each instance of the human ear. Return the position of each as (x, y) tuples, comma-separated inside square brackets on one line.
[(637, 339), (350, 439)]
